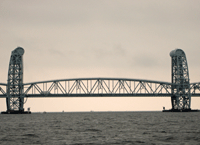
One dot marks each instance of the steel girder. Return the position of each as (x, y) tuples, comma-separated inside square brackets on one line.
[(97, 87), (195, 89), (181, 97), (15, 98), (3, 90), (29, 89)]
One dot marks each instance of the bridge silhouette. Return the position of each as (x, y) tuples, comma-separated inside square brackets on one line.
[(179, 89)]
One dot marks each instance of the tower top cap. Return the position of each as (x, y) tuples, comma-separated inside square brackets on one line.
[(19, 50), (177, 52)]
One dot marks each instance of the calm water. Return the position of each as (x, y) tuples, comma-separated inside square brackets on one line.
[(100, 128)]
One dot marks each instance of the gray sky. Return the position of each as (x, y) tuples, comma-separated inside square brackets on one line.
[(102, 38)]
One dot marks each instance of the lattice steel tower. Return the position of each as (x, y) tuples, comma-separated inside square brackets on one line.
[(181, 98), (15, 98)]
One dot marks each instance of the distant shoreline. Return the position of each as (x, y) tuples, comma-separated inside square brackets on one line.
[(96, 112)]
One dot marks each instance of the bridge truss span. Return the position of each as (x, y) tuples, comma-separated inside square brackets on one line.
[(3, 90), (102, 87), (195, 89)]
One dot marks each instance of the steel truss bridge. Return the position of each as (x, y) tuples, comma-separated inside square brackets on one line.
[(180, 89)]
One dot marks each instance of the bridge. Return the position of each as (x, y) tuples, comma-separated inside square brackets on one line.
[(179, 89)]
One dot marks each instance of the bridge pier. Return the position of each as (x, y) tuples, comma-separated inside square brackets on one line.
[(181, 97), (16, 112), (15, 87), (178, 110), (180, 89)]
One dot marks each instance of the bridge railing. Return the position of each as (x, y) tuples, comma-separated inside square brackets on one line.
[(3, 90), (97, 87)]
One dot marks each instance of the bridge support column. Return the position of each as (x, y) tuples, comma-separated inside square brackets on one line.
[(181, 98), (15, 97)]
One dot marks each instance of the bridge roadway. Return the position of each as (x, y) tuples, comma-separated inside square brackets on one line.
[(99, 87)]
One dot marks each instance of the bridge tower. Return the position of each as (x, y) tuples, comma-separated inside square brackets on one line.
[(181, 97), (15, 98)]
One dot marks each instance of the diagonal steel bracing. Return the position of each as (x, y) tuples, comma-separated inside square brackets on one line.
[(195, 89), (3, 90), (97, 87)]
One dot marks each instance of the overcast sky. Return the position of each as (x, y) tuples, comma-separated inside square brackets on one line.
[(99, 38)]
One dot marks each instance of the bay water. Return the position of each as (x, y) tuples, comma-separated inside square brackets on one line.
[(103, 128)]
